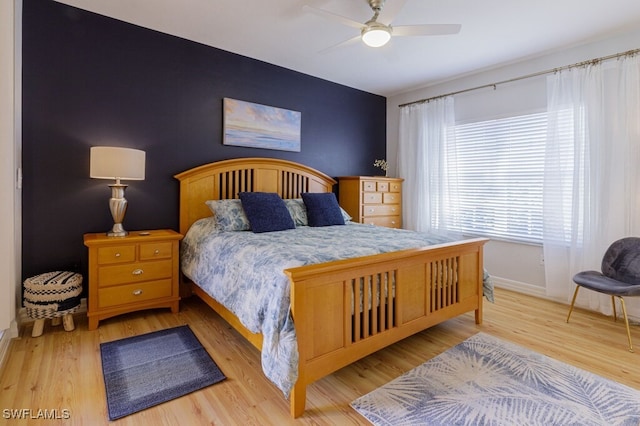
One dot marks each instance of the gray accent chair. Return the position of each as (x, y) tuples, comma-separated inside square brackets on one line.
[(620, 276)]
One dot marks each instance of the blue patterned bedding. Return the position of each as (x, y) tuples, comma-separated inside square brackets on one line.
[(244, 272)]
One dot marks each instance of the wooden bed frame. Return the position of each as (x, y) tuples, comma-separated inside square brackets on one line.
[(432, 284)]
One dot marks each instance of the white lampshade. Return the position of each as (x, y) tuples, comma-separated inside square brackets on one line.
[(117, 163), (120, 164), (375, 36)]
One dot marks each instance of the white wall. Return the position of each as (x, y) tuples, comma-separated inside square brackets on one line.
[(9, 137), (516, 266)]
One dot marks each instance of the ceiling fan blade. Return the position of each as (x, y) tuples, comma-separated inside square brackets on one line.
[(332, 16), (425, 30), (390, 11), (348, 42)]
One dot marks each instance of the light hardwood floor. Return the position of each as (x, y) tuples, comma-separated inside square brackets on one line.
[(61, 370)]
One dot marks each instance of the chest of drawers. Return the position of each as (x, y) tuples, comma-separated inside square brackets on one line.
[(126, 274), (372, 200)]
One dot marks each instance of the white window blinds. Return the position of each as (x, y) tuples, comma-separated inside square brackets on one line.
[(500, 169)]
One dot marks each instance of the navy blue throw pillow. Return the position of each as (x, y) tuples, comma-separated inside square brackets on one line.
[(266, 211), (322, 209)]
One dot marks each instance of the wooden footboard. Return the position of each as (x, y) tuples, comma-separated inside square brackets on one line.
[(348, 309)]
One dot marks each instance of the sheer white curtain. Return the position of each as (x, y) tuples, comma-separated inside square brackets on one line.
[(423, 163), (592, 186)]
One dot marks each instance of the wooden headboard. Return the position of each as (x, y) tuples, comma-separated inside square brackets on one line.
[(224, 179)]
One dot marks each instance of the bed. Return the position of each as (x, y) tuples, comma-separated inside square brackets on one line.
[(336, 310)]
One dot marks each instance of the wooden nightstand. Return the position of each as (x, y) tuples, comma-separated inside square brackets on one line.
[(373, 200), (126, 274)]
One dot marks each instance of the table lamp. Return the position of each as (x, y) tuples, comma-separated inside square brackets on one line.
[(119, 164)]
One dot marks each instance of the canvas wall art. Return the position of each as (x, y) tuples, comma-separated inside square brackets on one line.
[(261, 126)]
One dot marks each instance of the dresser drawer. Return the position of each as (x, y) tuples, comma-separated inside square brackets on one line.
[(391, 198), (116, 254), (134, 272), (395, 187), (131, 293), (382, 186), (151, 251), (381, 210), (388, 221), (371, 197), (369, 186)]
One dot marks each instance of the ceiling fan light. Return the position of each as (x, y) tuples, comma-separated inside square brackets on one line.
[(376, 36)]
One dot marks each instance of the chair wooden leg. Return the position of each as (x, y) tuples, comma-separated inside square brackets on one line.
[(613, 303), (575, 294), (626, 322)]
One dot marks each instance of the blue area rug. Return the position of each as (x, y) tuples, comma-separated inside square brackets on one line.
[(487, 381), (147, 370)]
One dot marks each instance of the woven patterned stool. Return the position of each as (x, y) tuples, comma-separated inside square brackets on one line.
[(52, 295)]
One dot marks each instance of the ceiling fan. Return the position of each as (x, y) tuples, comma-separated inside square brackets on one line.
[(375, 34)]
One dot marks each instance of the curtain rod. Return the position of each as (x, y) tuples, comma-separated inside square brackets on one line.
[(535, 74)]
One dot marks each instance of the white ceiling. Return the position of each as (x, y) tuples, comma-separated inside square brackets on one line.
[(280, 32)]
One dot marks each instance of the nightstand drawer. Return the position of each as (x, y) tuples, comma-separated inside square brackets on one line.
[(151, 251), (134, 272), (381, 210), (116, 254), (131, 293), (371, 197)]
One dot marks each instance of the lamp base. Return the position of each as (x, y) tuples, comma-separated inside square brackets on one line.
[(118, 207), (117, 231)]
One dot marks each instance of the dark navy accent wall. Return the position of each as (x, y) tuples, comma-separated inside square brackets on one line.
[(91, 80)]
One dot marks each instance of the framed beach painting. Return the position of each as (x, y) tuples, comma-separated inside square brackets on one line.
[(260, 126)]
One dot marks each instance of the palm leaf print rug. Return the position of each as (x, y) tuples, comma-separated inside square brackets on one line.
[(488, 381)]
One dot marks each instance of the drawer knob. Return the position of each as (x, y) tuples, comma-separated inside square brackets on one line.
[(393, 222), (137, 292), (371, 210), (117, 254), (393, 210), (156, 252), (137, 272)]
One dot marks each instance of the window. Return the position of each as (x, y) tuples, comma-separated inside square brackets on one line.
[(499, 168)]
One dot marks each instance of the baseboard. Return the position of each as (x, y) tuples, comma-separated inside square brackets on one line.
[(519, 287), (5, 341), (537, 291)]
